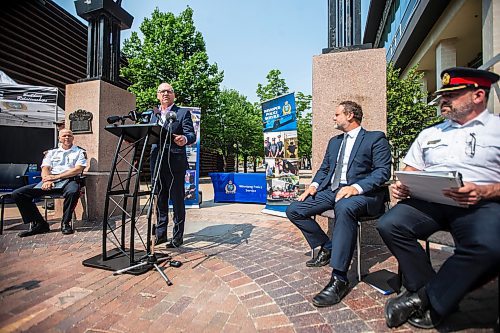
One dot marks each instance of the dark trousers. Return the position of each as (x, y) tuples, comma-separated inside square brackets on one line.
[(171, 186), (24, 200), (344, 234), (476, 231)]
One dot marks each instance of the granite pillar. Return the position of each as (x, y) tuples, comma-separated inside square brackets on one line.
[(359, 76), (102, 99)]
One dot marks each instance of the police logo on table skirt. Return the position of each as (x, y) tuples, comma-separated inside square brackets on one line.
[(230, 188)]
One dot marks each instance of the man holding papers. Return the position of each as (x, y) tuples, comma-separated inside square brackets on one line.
[(59, 167), (468, 142)]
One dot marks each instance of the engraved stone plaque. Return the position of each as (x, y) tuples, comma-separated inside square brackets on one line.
[(80, 122)]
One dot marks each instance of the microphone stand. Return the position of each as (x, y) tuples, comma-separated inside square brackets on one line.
[(150, 258)]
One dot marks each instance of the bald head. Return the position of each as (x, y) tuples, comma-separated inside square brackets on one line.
[(165, 95), (66, 138)]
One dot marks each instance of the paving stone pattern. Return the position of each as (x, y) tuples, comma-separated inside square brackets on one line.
[(242, 272)]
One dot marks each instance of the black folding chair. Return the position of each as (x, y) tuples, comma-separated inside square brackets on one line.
[(330, 214), (12, 176)]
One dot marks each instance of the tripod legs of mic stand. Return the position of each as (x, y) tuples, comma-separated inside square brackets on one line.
[(163, 275), (150, 260)]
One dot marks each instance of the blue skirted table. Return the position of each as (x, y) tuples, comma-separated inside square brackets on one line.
[(239, 187)]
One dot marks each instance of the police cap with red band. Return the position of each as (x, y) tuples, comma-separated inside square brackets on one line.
[(457, 78)]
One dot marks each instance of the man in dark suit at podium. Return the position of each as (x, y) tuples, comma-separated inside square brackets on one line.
[(178, 131)]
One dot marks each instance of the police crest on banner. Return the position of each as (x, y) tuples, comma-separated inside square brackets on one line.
[(279, 122)]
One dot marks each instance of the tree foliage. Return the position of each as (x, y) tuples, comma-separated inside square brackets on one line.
[(304, 124), (275, 86), (234, 124), (171, 50), (407, 110)]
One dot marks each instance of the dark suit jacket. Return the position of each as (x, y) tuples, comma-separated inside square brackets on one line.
[(183, 125), (369, 163)]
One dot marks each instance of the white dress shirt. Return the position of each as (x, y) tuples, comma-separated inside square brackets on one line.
[(351, 138)]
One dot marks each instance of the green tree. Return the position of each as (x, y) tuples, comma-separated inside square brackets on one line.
[(235, 125), (250, 138), (275, 86), (304, 125), (407, 110), (171, 50)]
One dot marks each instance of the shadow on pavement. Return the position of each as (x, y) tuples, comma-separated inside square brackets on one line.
[(27, 285), (215, 237)]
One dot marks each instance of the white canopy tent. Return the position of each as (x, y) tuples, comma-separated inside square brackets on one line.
[(29, 106)]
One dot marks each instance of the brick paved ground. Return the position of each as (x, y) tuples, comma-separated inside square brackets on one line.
[(243, 272)]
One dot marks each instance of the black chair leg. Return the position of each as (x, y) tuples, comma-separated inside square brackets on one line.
[(1, 217)]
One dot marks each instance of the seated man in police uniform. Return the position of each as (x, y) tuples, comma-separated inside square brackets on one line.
[(468, 142), (65, 162)]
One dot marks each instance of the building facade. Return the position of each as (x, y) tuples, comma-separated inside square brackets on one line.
[(42, 44), (435, 35)]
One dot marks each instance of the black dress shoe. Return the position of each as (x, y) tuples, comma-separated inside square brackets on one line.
[(174, 243), (333, 293), (35, 228), (66, 229), (321, 259), (399, 309), (161, 240), (427, 320)]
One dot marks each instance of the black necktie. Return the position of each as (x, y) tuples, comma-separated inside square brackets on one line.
[(338, 167)]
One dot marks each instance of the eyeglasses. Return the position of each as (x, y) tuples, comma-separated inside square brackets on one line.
[(166, 91), (470, 149)]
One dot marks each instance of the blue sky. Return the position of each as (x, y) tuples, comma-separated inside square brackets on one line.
[(248, 38)]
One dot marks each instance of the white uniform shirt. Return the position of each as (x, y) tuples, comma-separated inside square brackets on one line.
[(61, 160), (473, 149)]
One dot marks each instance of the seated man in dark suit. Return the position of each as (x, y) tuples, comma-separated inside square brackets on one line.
[(62, 163), (356, 165), (468, 142)]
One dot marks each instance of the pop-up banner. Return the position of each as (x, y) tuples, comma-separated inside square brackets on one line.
[(279, 119), (192, 178)]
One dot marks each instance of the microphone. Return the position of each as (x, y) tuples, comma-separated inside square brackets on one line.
[(145, 116), (170, 116), (113, 119), (132, 115)]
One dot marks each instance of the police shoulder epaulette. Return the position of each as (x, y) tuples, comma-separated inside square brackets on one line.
[(84, 151)]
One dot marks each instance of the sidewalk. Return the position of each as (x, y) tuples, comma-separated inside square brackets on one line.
[(243, 272)]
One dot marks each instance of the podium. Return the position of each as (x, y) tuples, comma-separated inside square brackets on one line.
[(123, 195)]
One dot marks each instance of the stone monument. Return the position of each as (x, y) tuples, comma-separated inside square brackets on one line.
[(98, 96), (346, 71)]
